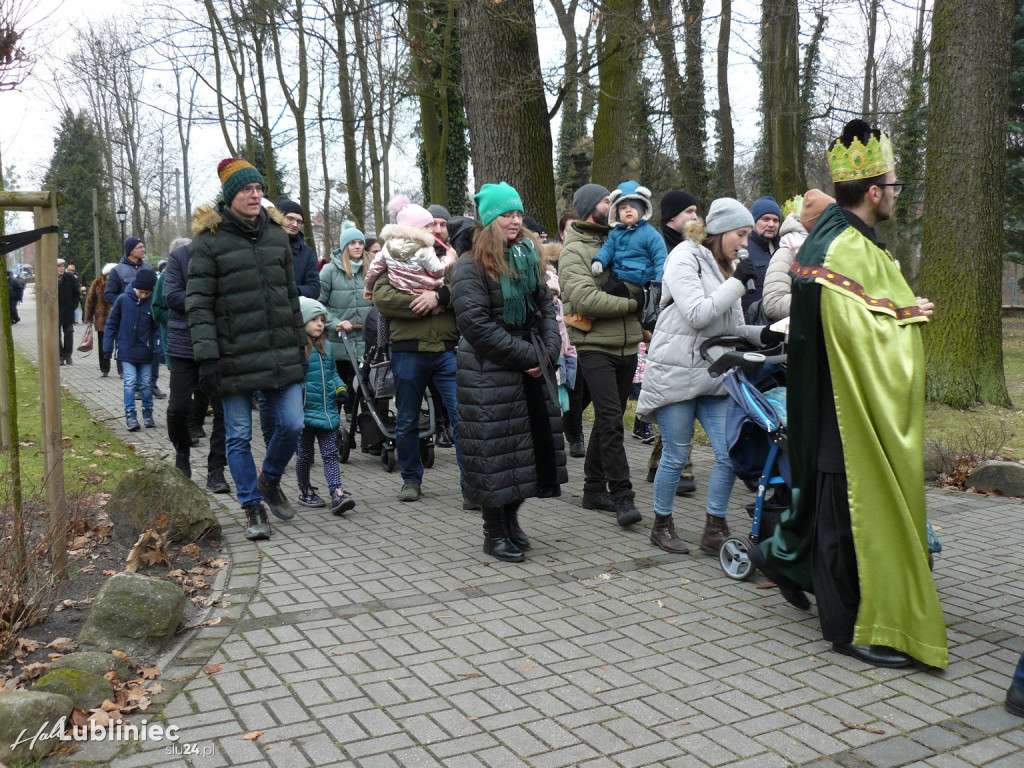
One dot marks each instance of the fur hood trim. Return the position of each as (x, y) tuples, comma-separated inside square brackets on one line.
[(418, 236), (632, 192), (208, 218)]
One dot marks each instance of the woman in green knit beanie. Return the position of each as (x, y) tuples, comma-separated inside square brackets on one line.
[(509, 420)]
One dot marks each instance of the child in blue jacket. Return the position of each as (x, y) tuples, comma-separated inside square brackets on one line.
[(132, 329), (324, 392), (634, 250)]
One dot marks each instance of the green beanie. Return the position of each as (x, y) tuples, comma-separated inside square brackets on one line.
[(495, 199)]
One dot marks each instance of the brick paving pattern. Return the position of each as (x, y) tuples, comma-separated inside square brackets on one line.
[(386, 638)]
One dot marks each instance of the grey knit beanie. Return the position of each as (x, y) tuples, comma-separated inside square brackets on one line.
[(727, 214), (587, 197), (439, 212)]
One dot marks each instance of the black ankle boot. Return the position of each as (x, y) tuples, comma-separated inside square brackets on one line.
[(514, 533), (496, 542)]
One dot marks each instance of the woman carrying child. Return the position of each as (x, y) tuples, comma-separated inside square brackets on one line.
[(324, 393)]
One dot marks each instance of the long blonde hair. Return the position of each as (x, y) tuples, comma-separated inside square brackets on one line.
[(695, 232), (490, 244)]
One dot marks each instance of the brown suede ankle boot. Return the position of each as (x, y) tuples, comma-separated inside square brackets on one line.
[(715, 532), (663, 536)]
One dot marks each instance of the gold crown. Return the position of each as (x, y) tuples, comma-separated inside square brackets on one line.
[(861, 162)]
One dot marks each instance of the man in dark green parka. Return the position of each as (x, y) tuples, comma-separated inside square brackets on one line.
[(247, 333)]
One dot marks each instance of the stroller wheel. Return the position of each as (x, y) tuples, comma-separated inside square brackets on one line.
[(426, 453), (735, 559), (344, 449), (387, 458)]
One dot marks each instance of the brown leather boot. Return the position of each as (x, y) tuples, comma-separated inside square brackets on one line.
[(715, 532), (663, 536)]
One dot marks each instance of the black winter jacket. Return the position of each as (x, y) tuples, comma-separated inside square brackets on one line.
[(307, 276), (510, 431), (179, 340), (68, 295), (241, 300)]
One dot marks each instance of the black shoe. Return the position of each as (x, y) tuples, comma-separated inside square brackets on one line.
[(651, 473), (598, 500), (182, 463), (275, 498), (686, 485), (626, 513), (788, 588), (577, 449), (875, 655), (341, 502), (215, 482), (310, 498), (158, 393), (513, 532), (1014, 702), (445, 437)]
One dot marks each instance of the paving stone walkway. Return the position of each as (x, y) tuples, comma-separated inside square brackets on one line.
[(386, 638)]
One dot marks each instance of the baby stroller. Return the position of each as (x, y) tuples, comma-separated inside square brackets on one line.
[(373, 387), (758, 443), (756, 433)]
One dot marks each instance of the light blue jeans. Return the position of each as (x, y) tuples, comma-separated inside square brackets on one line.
[(137, 376), (286, 407), (676, 424)]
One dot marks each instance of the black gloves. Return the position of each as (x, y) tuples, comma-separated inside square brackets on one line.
[(615, 287), (745, 271), (770, 338), (341, 396), (209, 379)]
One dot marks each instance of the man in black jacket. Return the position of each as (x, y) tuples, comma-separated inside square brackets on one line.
[(67, 303), (247, 333), (184, 385)]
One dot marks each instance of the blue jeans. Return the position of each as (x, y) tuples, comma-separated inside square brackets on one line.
[(676, 424), (412, 372), (1018, 675), (286, 407), (137, 376)]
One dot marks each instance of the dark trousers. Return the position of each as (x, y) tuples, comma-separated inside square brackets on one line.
[(609, 381), (67, 341), (834, 560), (579, 399), (104, 360), (184, 384)]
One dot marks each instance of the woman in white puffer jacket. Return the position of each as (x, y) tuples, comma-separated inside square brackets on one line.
[(700, 299)]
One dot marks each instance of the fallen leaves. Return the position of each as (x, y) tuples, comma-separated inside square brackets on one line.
[(253, 735), (150, 549), (149, 673), (212, 669), (861, 726), (62, 644)]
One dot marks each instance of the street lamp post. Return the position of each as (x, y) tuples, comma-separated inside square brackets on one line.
[(122, 216)]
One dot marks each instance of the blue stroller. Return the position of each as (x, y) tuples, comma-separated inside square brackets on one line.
[(756, 433), (758, 444)]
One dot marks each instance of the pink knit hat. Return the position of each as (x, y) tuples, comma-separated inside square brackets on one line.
[(408, 214)]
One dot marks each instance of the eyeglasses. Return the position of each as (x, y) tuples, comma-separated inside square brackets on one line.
[(252, 189), (293, 219), (897, 187), (513, 215)]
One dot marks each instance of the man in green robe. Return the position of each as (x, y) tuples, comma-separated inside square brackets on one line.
[(856, 533)]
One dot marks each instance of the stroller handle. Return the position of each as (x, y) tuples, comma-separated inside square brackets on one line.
[(742, 354)]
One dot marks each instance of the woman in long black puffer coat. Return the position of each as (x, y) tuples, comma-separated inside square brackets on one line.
[(510, 426)]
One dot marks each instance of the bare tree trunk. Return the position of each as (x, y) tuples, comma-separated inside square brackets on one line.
[(727, 152), (780, 60), (504, 95), (325, 166), (866, 110), (359, 13), (571, 127), (356, 200), (964, 181), (185, 137), (297, 104)]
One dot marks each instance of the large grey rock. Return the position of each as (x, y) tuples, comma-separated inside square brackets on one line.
[(22, 714), (95, 662), (159, 489), (937, 460), (1005, 477), (85, 689), (135, 614)]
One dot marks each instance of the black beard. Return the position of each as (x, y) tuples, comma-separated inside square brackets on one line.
[(600, 218)]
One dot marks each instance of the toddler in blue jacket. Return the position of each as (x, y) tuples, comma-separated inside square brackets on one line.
[(131, 328), (323, 394), (634, 250)]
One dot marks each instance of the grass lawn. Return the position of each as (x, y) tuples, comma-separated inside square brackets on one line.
[(94, 458)]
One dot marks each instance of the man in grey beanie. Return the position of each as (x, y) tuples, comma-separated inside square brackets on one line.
[(606, 340)]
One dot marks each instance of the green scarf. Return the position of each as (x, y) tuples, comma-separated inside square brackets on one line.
[(520, 281)]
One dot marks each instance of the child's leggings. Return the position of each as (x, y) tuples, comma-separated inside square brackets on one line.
[(328, 439)]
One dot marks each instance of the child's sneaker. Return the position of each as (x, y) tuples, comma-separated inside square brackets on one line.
[(341, 501), (309, 498), (643, 431), (147, 417), (131, 420)]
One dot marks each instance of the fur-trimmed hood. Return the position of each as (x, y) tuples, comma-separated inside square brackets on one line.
[(402, 241), (633, 192), (208, 218)]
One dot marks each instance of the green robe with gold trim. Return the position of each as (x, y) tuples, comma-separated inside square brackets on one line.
[(871, 327)]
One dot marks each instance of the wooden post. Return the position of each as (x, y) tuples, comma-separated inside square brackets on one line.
[(49, 383)]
